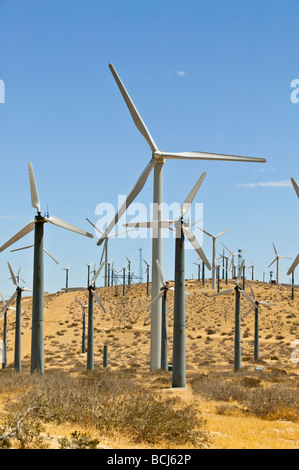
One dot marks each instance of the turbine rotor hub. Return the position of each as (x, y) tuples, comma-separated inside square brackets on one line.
[(159, 156)]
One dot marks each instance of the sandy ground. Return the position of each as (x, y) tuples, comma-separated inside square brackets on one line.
[(209, 344)]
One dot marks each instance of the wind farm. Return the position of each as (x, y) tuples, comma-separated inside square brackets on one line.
[(165, 315)]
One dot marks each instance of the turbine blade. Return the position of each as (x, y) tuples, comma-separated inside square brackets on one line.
[(33, 189), (130, 198), (94, 293), (50, 256), (275, 249), (221, 233), (155, 300), (119, 233), (227, 248), (272, 262), (150, 224), (104, 250), (187, 293), (186, 204), (224, 292), (61, 223), (266, 303), (191, 237), (14, 279), (294, 264), (247, 297), (26, 289), (211, 156), (24, 231), (195, 222), (10, 301), (296, 286), (160, 273), (207, 233), (79, 302), (295, 186), (97, 274), (94, 225), (23, 248), (252, 291), (133, 111), (249, 311), (73, 289)]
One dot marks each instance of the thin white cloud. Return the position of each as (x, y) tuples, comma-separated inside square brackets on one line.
[(266, 184), (180, 73)]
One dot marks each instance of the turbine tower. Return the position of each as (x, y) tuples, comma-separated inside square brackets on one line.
[(214, 237), (277, 263), (237, 290), (90, 333), (37, 334), (156, 163), (17, 294), (256, 321)]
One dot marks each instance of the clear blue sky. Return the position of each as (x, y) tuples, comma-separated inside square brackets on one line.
[(208, 75)]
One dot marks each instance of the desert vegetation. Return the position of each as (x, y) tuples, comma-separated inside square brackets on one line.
[(128, 406)]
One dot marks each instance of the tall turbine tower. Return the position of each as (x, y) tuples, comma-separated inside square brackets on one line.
[(156, 162)]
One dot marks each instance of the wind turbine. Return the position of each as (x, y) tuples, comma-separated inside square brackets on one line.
[(66, 277), (147, 276), (198, 270), (37, 337), (233, 254), (88, 271), (105, 249), (226, 266), (5, 307), (84, 307), (18, 295), (156, 162), (214, 238), (277, 263), (252, 270), (256, 320), (238, 291), (182, 229), (91, 295), (129, 268)]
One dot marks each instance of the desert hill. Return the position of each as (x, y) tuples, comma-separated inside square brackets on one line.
[(209, 344)]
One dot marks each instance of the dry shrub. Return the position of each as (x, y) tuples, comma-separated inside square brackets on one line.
[(109, 402), (267, 401)]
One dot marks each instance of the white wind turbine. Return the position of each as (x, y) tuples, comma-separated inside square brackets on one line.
[(105, 249), (66, 277), (214, 237), (256, 320), (156, 162), (233, 254), (37, 336), (277, 257)]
